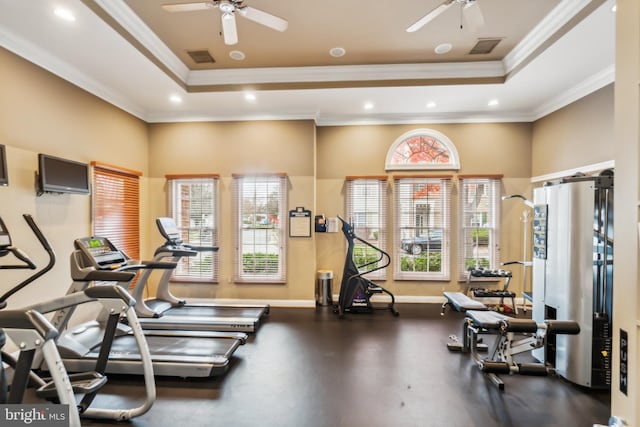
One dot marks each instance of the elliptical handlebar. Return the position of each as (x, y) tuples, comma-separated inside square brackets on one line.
[(28, 263), (41, 238), (350, 235)]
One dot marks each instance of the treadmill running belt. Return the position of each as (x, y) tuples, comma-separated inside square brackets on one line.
[(178, 348), (208, 311)]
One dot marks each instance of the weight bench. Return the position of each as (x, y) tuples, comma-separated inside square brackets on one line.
[(462, 303), (508, 344)]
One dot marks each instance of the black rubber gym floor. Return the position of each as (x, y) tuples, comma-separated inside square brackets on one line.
[(306, 368)]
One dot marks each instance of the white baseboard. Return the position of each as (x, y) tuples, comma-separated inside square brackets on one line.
[(241, 301), (304, 303)]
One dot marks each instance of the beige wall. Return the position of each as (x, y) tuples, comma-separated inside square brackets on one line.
[(226, 148), (483, 148), (240, 147), (579, 134), (76, 125), (42, 113)]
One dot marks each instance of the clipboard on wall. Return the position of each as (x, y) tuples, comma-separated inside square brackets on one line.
[(300, 222)]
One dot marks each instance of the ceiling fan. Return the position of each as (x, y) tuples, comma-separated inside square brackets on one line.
[(229, 9), (470, 11)]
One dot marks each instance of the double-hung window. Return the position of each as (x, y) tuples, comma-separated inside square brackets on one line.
[(193, 201), (478, 222), (422, 228), (366, 210), (260, 218)]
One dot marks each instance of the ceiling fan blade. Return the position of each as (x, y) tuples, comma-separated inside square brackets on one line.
[(229, 30), (430, 16), (187, 7), (472, 15), (263, 18)]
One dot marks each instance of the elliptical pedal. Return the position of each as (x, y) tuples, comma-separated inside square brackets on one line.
[(81, 383)]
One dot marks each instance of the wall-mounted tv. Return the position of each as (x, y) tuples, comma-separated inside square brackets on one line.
[(4, 172), (57, 175)]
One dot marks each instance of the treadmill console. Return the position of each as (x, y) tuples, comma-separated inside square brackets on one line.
[(101, 253), (169, 230)]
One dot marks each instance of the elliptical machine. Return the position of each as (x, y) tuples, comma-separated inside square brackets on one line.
[(355, 289), (78, 390)]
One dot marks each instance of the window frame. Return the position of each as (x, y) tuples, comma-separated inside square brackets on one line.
[(354, 196), (278, 224), (490, 223), (440, 220), (424, 159), (187, 270)]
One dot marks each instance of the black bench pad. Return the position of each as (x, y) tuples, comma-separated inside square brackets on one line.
[(462, 303), (493, 320)]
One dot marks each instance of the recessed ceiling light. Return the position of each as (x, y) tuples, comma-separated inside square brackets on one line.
[(493, 103), (337, 52), (614, 7), (443, 48), (431, 104), (250, 96), (237, 55), (64, 14), (176, 99), (368, 105)]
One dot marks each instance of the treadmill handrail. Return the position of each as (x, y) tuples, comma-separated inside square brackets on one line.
[(49, 352)]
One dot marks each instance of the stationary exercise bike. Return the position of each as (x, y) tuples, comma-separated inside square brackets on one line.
[(355, 289)]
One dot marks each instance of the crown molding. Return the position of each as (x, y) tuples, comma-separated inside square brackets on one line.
[(576, 92), (415, 119), (134, 26), (62, 69), (586, 169), (351, 73), (580, 90), (544, 32), (425, 73)]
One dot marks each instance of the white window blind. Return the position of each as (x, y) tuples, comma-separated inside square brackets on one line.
[(366, 210), (115, 206), (260, 219), (422, 228), (193, 205), (479, 223)]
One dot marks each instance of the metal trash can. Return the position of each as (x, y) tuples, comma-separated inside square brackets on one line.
[(324, 285)]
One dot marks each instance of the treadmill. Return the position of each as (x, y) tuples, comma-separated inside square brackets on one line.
[(165, 311), (173, 353)]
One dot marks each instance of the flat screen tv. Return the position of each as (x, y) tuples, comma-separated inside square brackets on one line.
[(56, 175), (4, 173)]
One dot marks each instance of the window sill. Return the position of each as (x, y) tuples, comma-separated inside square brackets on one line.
[(194, 280), (259, 282)]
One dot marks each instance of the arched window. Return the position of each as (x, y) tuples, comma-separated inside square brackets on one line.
[(422, 149)]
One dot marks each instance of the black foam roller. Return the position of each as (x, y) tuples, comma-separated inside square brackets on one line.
[(563, 327), (532, 369), (494, 367)]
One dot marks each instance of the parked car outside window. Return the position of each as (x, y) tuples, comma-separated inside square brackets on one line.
[(430, 242)]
